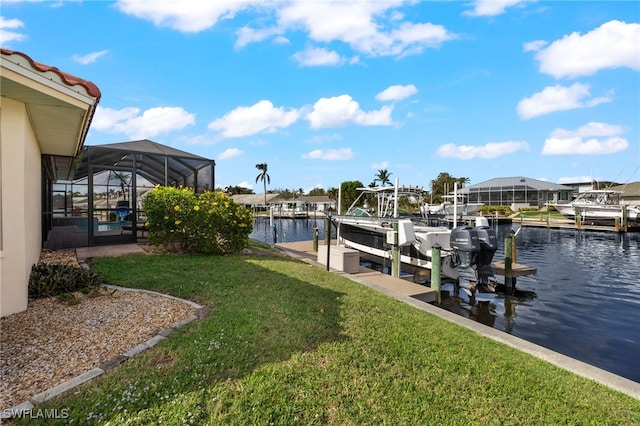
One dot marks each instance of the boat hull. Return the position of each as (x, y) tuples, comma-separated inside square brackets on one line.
[(597, 214), (371, 238)]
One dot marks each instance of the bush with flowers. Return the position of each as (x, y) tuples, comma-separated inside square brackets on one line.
[(182, 221)]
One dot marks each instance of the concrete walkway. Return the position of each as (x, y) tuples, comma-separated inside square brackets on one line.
[(304, 251), (84, 253)]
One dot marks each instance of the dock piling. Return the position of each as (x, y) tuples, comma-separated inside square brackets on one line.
[(315, 239), (395, 266), (508, 259), (435, 271)]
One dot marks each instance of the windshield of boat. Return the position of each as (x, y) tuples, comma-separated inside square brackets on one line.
[(599, 197), (357, 211)]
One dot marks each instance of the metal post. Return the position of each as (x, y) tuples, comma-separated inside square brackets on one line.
[(271, 226), (327, 234), (435, 270), (508, 274), (327, 231)]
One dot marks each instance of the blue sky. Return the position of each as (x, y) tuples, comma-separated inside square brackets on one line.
[(325, 92)]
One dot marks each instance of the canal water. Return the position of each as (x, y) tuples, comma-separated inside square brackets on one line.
[(587, 292)]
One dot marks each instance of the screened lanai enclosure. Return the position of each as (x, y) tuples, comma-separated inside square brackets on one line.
[(97, 197)]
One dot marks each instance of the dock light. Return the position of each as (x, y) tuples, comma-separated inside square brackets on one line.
[(328, 230)]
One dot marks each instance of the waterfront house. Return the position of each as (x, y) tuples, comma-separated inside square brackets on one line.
[(517, 192)]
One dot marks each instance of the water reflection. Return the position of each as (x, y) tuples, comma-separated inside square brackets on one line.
[(587, 297), (287, 230)]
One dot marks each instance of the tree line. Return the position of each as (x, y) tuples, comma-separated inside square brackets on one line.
[(438, 187)]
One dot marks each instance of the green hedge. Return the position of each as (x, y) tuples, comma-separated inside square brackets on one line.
[(491, 210), (210, 223)]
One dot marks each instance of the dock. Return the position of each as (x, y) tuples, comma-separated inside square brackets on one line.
[(571, 224), (304, 250), (405, 286), (517, 269)]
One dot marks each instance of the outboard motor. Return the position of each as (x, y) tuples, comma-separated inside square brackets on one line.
[(465, 247), (488, 246)]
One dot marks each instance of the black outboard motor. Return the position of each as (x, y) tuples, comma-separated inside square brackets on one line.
[(466, 248), (488, 247)]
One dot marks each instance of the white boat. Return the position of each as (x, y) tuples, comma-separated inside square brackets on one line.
[(447, 208), (370, 231), (598, 206)]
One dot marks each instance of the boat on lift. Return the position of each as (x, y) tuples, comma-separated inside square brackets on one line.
[(466, 252), (598, 206)]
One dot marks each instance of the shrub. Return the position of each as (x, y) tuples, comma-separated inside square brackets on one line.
[(491, 210), (54, 280), (210, 223)]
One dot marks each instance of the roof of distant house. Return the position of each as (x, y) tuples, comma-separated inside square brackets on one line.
[(515, 182)]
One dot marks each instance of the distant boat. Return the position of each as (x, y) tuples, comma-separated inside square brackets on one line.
[(449, 208), (598, 206)]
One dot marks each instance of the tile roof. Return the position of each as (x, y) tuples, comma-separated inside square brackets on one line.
[(68, 79)]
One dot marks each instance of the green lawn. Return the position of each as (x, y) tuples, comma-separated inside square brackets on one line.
[(553, 215), (285, 342)]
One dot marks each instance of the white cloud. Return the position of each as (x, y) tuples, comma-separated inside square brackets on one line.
[(152, 122), (184, 15), (230, 153), (318, 56), (558, 98), (7, 30), (360, 25), (397, 92), (492, 7), (534, 46), (341, 110), (612, 45), (488, 151), (330, 154), (380, 166), (591, 139), (248, 35), (89, 58), (245, 185), (258, 118), (374, 28)]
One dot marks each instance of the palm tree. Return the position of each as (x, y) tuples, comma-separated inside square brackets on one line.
[(264, 177), (383, 177)]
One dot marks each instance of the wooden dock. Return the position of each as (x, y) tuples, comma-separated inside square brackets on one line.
[(304, 250), (570, 224), (517, 269)]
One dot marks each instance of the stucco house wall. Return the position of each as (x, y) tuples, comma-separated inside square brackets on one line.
[(45, 115), (21, 205)]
